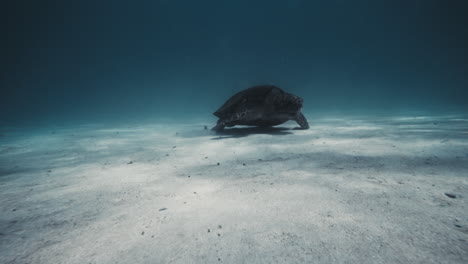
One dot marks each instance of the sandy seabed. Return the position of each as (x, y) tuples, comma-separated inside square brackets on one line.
[(354, 190)]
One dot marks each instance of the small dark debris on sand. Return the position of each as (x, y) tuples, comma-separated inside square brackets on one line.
[(457, 225), (220, 227), (243, 164), (188, 176), (205, 127), (217, 163), (131, 162), (49, 171), (219, 234), (209, 230), (174, 147), (162, 209), (451, 195), (142, 233), (206, 157), (167, 154)]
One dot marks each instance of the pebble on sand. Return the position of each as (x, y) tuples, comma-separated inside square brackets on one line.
[(451, 195), (162, 209)]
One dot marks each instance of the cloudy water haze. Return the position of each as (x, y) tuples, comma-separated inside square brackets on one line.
[(131, 60)]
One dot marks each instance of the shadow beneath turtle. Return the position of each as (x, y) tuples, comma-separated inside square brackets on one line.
[(246, 131)]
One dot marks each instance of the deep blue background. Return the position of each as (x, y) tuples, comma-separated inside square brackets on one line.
[(106, 60)]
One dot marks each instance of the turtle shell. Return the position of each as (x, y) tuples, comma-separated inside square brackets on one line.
[(255, 95)]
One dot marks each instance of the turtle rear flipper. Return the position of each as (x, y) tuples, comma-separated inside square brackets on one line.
[(219, 126), (302, 121), (232, 120)]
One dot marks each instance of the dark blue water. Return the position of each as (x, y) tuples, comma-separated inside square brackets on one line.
[(129, 60)]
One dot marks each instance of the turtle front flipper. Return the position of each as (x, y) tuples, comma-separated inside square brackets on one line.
[(302, 121)]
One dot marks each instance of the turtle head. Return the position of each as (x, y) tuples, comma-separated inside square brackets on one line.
[(288, 103)]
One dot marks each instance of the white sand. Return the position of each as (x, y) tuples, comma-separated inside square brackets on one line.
[(346, 191)]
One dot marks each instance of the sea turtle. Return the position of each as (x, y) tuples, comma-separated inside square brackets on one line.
[(261, 105)]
